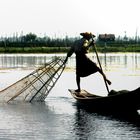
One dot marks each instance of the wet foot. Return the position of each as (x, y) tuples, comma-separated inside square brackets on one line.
[(77, 90)]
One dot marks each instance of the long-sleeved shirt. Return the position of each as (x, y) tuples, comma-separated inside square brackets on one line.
[(79, 47)]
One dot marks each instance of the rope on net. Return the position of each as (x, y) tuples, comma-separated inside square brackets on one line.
[(35, 86)]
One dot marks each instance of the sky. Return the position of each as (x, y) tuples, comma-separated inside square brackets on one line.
[(58, 18)]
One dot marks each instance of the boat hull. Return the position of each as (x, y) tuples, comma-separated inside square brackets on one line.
[(122, 101)]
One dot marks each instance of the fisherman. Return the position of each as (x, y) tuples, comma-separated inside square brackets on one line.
[(84, 66)]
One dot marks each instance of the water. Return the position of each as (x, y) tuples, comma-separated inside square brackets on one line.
[(59, 118)]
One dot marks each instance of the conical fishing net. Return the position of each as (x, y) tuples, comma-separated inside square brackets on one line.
[(36, 85)]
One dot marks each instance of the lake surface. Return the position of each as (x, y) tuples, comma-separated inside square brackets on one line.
[(59, 118)]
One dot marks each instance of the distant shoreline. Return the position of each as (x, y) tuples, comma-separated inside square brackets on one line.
[(65, 49)]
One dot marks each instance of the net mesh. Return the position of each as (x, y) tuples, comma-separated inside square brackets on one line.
[(36, 85)]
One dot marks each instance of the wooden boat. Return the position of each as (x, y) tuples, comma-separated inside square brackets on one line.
[(121, 100)]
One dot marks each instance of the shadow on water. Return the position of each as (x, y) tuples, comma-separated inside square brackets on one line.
[(101, 125), (130, 116)]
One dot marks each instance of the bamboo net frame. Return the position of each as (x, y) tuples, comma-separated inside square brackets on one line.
[(35, 86)]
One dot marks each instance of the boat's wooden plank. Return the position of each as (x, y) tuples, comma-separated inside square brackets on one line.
[(82, 93)]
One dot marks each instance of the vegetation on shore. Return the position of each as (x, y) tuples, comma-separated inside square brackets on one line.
[(30, 43), (64, 49)]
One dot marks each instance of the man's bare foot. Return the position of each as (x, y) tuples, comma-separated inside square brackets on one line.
[(77, 90), (108, 81)]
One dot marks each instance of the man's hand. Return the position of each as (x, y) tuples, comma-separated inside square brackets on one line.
[(92, 43)]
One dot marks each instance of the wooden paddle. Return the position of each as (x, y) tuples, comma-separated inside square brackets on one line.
[(94, 46)]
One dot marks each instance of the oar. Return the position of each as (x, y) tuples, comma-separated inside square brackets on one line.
[(100, 64)]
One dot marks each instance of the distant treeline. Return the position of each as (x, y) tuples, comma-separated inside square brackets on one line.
[(31, 40)]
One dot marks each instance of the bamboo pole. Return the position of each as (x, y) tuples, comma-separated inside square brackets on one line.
[(94, 46)]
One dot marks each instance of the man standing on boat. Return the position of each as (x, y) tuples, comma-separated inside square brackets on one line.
[(84, 66)]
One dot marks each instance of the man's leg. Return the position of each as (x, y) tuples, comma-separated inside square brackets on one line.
[(78, 83), (101, 72)]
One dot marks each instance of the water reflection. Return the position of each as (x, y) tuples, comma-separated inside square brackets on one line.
[(82, 126), (90, 125), (123, 60), (108, 60), (24, 60)]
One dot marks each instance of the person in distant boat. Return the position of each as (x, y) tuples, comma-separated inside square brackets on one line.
[(84, 66)]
